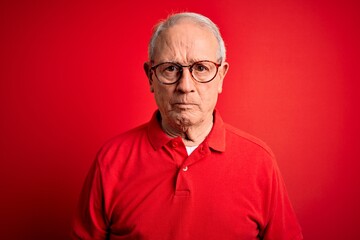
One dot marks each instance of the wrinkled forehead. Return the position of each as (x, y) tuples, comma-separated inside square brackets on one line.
[(186, 40)]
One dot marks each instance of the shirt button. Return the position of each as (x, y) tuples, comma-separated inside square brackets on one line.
[(174, 144), (185, 168)]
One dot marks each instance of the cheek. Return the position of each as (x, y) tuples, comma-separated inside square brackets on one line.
[(162, 97), (209, 97)]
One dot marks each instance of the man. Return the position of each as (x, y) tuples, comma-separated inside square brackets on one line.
[(185, 174)]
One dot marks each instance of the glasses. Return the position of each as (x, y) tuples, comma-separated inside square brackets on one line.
[(202, 71)]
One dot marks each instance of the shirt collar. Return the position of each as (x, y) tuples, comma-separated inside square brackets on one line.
[(216, 138), (158, 138)]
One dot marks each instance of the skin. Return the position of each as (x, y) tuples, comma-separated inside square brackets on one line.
[(186, 107)]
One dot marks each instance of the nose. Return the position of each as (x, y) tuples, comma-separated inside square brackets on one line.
[(186, 83)]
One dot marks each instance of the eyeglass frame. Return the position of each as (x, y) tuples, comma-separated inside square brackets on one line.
[(153, 68)]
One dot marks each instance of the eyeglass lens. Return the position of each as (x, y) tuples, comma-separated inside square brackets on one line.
[(202, 71)]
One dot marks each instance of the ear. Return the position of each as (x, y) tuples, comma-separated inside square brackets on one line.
[(223, 69), (148, 73)]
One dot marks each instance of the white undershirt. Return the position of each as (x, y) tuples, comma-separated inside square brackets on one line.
[(189, 150)]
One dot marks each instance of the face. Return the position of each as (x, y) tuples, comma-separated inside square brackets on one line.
[(187, 102)]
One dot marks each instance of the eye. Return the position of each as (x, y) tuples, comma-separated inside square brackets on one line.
[(199, 67), (171, 68)]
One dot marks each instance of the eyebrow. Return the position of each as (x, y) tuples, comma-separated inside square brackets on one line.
[(188, 63)]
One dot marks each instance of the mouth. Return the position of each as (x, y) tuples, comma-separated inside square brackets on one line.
[(182, 105)]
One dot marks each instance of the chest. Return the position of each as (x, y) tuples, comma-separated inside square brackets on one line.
[(169, 195)]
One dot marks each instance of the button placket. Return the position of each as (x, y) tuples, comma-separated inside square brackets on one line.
[(174, 144), (177, 151), (182, 187)]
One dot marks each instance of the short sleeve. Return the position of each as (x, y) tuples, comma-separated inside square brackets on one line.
[(282, 223), (89, 221)]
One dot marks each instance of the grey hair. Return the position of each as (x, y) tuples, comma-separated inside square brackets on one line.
[(196, 18)]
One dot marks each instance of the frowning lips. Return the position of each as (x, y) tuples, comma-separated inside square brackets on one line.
[(183, 105)]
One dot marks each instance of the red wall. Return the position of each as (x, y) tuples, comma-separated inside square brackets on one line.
[(71, 77)]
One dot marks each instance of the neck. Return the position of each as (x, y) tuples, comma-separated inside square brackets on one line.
[(192, 135)]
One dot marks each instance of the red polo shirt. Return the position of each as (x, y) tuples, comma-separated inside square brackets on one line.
[(143, 185)]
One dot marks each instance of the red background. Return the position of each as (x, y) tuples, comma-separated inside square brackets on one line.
[(71, 78)]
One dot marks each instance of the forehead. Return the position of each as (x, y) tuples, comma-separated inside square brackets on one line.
[(186, 41)]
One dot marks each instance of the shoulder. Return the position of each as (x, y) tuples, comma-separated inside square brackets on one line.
[(241, 139), (128, 137), (122, 145)]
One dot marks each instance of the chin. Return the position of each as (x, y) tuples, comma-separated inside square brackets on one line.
[(185, 118)]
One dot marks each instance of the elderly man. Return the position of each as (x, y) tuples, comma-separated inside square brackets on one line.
[(185, 174)]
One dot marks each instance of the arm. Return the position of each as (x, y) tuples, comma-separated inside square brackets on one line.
[(90, 221), (282, 222)]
